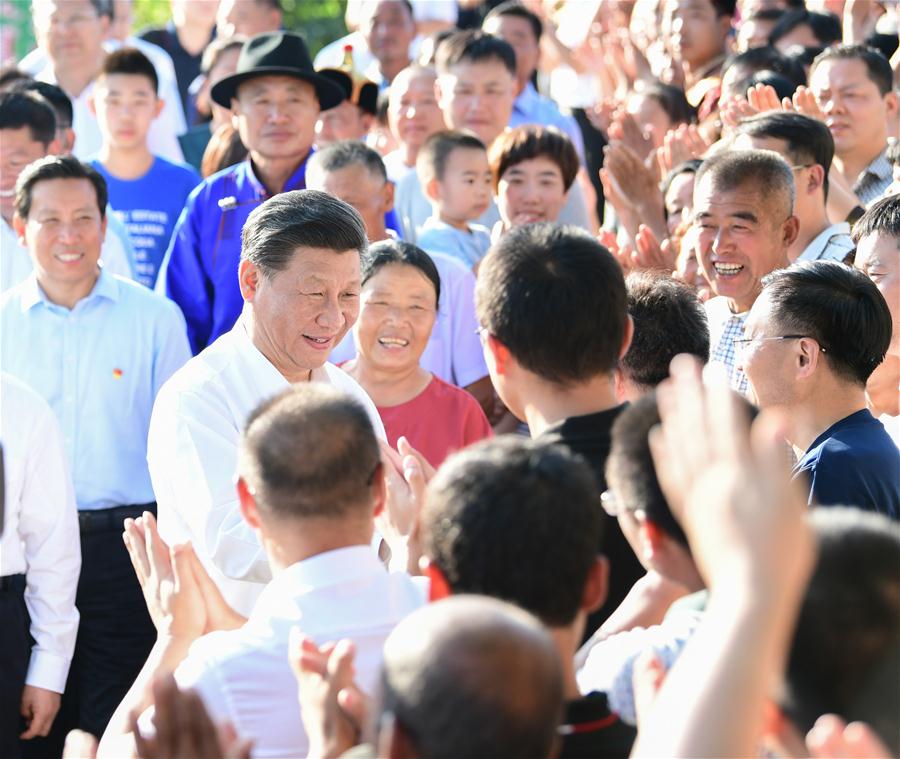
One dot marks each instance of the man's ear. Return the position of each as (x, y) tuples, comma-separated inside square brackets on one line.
[(19, 228), (809, 354), (891, 103), (104, 223), (596, 585), (387, 196), (500, 354), (816, 178), (627, 337), (789, 230), (438, 587), (247, 504), (379, 490), (92, 105), (249, 278)]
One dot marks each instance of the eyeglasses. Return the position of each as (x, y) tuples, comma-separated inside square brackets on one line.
[(742, 342)]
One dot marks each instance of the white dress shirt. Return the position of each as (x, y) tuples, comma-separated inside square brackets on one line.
[(40, 531), (833, 243), (192, 451), (16, 265), (243, 675)]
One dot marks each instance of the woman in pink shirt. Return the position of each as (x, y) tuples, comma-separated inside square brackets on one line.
[(398, 305)]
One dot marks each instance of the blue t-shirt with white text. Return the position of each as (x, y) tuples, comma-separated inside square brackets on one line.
[(149, 207)]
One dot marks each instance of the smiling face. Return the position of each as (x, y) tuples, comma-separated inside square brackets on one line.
[(276, 116), (126, 105), (303, 311), (878, 257), (531, 191), (477, 97), (855, 110), (64, 232), (742, 236), (398, 309)]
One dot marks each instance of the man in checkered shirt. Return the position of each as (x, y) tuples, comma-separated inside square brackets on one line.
[(744, 225)]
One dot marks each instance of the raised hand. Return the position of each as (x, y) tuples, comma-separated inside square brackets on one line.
[(762, 97)]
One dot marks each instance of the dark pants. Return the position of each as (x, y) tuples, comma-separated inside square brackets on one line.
[(115, 633), (13, 662)]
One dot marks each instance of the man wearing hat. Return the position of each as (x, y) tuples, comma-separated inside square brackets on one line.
[(275, 96)]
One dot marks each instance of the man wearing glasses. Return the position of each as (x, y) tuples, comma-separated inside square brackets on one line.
[(811, 340), (744, 220)]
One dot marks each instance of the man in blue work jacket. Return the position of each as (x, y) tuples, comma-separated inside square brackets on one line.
[(275, 96)]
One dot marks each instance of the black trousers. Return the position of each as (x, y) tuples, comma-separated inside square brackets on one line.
[(14, 647), (115, 633)]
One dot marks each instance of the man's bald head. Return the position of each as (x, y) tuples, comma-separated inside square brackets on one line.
[(472, 676)]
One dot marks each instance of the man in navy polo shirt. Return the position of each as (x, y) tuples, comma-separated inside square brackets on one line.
[(811, 340), (276, 97)]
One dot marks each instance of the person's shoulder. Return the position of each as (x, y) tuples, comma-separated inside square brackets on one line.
[(450, 267), (343, 381), (443, 390)]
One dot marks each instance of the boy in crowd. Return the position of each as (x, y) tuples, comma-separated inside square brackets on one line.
[(456, 177), (145, 190)]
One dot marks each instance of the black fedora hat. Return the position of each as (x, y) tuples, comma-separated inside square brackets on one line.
[(276, 54), (362, 93)]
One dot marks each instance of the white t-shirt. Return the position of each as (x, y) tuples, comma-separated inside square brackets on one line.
[(192, 450)]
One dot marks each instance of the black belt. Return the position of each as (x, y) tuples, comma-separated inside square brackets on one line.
[(111, 520), (12, 582)]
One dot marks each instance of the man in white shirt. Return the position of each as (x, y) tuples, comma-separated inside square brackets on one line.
[(299, 276), (808, 147), (71, 33), (40, 557), (310, 482), (745, 225)]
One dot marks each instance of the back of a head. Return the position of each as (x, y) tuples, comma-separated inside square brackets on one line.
[(845, 656), (668, 319), (23, 109), (853, 331), (300, 219), (555, 297), (472, 677), (808, 139), (882, 218), (630, 471), (518, 520), (340, 155), (473, 46), (826, 27), (761, 171), (310, 452)]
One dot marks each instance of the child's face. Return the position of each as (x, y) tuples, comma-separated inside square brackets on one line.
[(126, 105), (531, 191), (464, 192)]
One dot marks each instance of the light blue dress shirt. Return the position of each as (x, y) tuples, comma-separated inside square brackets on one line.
[(530, 107), (99, 366)]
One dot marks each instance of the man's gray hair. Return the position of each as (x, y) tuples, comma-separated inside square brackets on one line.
[(300, 219), (340, 155), (764, 169)]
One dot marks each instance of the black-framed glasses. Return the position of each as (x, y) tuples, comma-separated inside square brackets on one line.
[(741, 342)]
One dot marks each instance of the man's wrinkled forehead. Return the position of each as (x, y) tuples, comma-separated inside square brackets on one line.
[(714, 196)]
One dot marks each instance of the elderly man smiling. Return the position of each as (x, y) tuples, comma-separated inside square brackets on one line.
[(299, 277)]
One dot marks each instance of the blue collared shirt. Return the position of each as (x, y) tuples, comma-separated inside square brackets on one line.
[(99, 366), (201, 269), (530, 107)]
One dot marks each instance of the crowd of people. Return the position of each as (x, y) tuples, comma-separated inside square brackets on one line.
[(503, 379)]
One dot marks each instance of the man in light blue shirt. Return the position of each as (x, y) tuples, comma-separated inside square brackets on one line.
[(97, 347)]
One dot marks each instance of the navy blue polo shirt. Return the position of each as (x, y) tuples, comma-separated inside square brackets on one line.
[(854, 463)]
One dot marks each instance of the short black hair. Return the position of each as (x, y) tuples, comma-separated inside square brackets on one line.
[(672, 100), (516, 9), (765, 14), (826, 27), (28, 109), (310, 452), (530, 141), (473, 46), (854, 330), (555, 297), (57, 167), (10, 74), (784, 87), (764, 170), (690, 166), (300, 219), (131, 61), (808, 139), (877, 66), (630, 472), (431, 161), (881, 218), (724, 7), (387, 252), (214, 51), (490, 515), (668, 319), (53, 94), (765, 58), (339, 155), (845, 654)]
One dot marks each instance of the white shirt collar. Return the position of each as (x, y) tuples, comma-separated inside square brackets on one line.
[(813, 251)]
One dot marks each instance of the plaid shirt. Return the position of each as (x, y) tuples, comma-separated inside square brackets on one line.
[(724, 327), (874, 180)]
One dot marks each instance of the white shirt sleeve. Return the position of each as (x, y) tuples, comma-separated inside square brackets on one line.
[(48, 533)]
